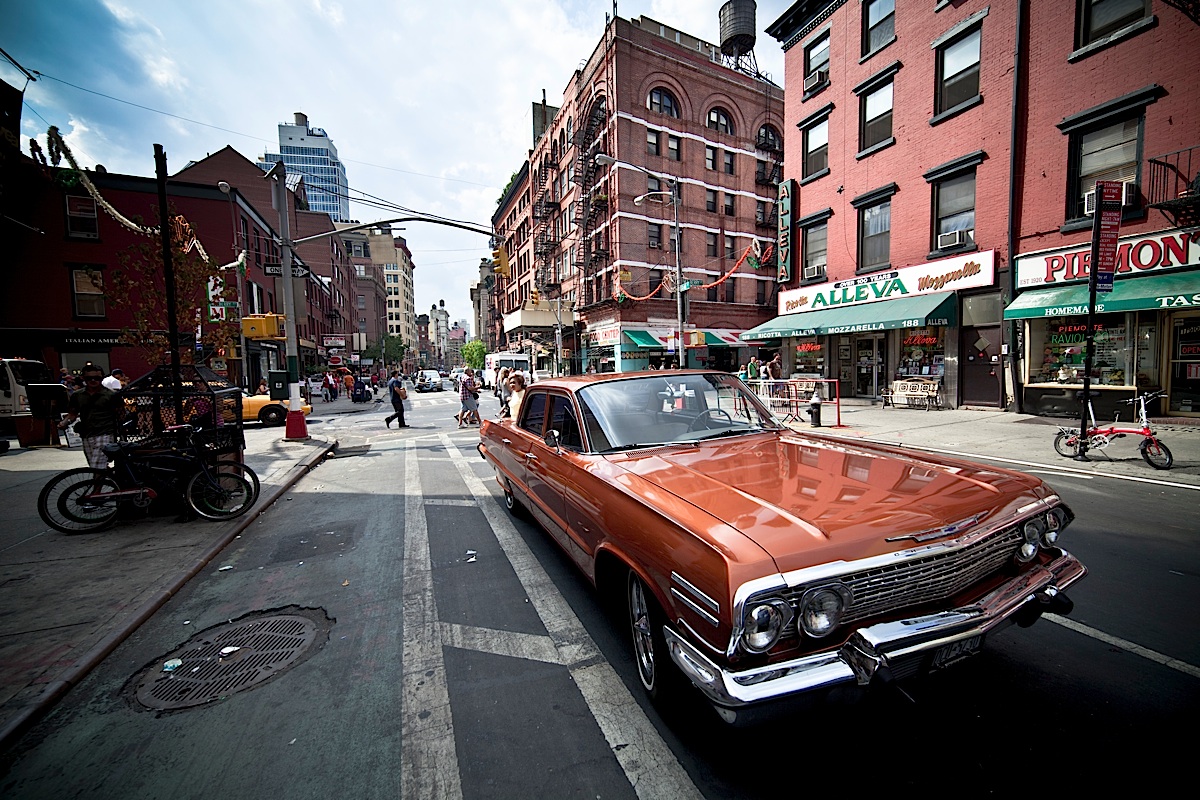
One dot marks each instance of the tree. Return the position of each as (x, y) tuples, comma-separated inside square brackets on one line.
[(473, 353), (138, 285), (390, 349)]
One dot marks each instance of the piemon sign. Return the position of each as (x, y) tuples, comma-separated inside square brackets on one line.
[(1153, 252), (971, 271)]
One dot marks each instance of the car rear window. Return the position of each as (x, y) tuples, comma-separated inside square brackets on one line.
[(27, 372)]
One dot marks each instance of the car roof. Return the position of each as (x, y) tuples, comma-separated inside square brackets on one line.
[(579, 381)]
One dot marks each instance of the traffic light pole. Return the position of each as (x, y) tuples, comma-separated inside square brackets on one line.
[(297, 427)]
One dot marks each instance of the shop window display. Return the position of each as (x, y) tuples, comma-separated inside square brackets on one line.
[(1120, 359), (922, 353), (810, 357)]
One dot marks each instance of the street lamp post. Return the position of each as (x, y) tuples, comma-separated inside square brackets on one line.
[(603, 159), (296, 426)]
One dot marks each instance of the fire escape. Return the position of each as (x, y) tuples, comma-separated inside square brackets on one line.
[(545, 208), (591, 254), (1174, 186)]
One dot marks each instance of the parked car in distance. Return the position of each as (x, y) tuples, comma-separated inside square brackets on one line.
[(261, 408), (769, 566), (428, 380)]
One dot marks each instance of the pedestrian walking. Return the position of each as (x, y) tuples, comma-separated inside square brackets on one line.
[(516, 385), (468, 396), (115, 381), (398, 395), (503, 390), (98, 411)]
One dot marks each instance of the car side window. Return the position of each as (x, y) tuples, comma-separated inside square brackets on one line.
[(562, 419), (533, 412)]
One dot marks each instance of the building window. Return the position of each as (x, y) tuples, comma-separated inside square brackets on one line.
[(673, 147), (710, 157), (654, 235), (760, 292), (711, 294), (676, 239), (730, 295), (958, 71), (656, 279), (728, 163), (362, 302), (769, 139), (718, 120), (815, 243), (1101, 18), (87, 291), (954, 212), (1104, 154), (879, 25), (876, 115), (710, 245), (82, 222), (816, 149), (760, 212), (874, 236), (730, 248), (710, 200), (816, 64), (729, 204), (652, 143), (663, 102), (653, 184)]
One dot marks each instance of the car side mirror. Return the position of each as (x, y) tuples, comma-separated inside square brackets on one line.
[(552, 438)]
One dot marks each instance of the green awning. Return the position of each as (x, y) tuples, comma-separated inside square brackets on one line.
[(1128, 294), (903, 312), (644, 340)]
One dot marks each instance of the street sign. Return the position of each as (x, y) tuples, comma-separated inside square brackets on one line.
[(226, 303), (1109, 208), (335, 361), (275, 268)]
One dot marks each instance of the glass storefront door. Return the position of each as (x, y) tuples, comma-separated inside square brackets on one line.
[(1185, 365), (870, 365)]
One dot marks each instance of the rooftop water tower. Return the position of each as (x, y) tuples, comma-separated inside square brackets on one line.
[(738, 35)]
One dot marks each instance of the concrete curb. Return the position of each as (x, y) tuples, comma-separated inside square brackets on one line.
[(56, 689)]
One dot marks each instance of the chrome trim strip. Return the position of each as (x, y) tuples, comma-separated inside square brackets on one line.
[(871, 647), (687, 601), (699, 595)]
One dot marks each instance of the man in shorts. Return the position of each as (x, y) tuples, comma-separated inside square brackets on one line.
[(98, 410), (468, 395)]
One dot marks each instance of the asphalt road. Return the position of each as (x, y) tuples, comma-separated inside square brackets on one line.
[(465, 657)]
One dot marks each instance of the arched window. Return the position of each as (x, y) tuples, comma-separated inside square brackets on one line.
[(769, 139), (718, 120), (663, 102)]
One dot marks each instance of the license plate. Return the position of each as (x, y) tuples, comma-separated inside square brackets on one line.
[(947, 654)]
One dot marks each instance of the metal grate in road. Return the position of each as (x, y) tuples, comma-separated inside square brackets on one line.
[(231, 658)]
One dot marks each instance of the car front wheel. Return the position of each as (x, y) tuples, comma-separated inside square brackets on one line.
[(272, 415), (657, 673)]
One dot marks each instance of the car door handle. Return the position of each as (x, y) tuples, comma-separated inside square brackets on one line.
[(507, 441), (531, 456)]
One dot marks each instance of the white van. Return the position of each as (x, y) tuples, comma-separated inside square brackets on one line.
[(15, 375), (494, 362)]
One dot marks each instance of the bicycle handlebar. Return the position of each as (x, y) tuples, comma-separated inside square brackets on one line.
[(1146, 397)]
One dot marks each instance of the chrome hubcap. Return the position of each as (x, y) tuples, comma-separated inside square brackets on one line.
[(643, 644)]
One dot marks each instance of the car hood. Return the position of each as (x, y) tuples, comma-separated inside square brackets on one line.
[(809, 500)]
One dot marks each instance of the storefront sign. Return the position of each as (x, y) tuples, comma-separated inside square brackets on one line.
[(808, 347), (333, 341), (1134, 254), (970, 271), (786, 189), (608, 335)]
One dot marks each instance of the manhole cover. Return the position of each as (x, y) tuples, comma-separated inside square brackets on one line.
[(231, 658)]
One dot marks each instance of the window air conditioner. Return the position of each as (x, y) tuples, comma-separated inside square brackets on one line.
[(655, 246), (1128, 195), (812, 271), (815, 79), (953, 239)]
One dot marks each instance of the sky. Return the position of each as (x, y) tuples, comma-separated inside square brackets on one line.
[(428, 103)]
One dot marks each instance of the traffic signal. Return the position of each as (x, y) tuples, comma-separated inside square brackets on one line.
[(500, 259), (533, 295)]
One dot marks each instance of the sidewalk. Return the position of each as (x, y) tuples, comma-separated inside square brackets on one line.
[(69, 600), (1024, 440)]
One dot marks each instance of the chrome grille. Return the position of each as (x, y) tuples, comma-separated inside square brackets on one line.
[(930, 578)]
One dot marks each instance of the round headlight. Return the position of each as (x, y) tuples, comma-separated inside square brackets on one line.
[(1027, 551), (1033, 530), (764, 622), (821, 609), (1056, 519), (1049, 538)]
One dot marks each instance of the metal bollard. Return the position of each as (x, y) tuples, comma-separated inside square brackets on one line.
[(814, 409)]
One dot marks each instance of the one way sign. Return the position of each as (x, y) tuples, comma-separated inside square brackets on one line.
[(275, 268)]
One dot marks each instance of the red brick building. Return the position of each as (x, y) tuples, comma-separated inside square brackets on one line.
[(668, 110), (930, 147)]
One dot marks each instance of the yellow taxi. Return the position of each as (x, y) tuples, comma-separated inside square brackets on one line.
[(261, 408)]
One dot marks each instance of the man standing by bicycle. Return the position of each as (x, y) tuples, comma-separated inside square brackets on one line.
[(98, 410)]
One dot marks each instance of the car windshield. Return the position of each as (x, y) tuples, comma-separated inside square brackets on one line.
[(676, 407), (27, 372)]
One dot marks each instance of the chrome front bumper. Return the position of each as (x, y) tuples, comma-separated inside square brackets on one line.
[(894, 649)]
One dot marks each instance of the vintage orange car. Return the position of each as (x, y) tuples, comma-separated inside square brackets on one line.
[(767, 565)]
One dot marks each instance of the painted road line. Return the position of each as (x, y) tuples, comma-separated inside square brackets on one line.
[(428, 758), (1136, 649), (651, 767)]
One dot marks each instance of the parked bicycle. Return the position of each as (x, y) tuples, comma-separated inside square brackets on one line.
[(184, 464), (1152, 449)]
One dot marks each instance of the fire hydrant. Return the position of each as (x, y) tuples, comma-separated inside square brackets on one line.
[(814, 409)]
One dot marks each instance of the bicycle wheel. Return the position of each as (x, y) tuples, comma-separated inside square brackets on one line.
[(1156, 454), (238, 468), (219, 495), (1067, 444), (62, 503)]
